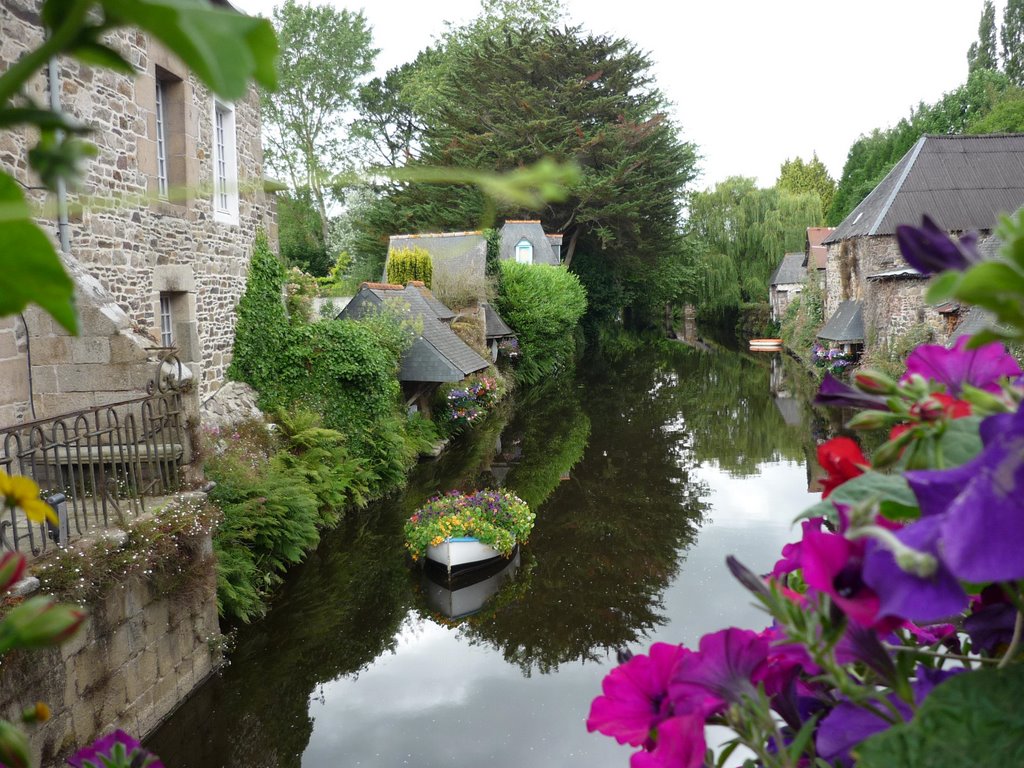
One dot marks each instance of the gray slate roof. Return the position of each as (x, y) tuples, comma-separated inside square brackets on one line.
[(496, 328), (438, 354), (976, 320), (545, 250), (846, 324), (962, 182), (791, 270)]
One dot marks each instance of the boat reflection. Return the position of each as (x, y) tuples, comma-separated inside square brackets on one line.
[(465, 594)]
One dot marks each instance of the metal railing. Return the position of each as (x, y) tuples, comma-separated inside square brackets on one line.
[(104, 461)]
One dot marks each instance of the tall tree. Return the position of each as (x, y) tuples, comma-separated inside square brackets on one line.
[(325, 52), (1011, 35), (797, 176), (300, 233), (983, 54), (511, 98)]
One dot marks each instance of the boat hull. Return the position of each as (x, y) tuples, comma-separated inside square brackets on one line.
[(461, 553)]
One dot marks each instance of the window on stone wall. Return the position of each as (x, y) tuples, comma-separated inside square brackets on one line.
[(170, 135), (166, 320), (225, 164)]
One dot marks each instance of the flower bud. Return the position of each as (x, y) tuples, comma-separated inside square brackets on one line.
[(875, 383), (12, 568), (983, 402), (889, 453), (39, 622), (14, 751), (873, 420), (37, 713)]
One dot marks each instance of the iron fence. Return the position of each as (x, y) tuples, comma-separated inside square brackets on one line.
[(97, 465)]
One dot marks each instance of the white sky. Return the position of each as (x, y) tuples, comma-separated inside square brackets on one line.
[(754, 82)]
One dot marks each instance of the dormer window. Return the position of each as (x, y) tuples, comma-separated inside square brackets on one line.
[(524, 252)]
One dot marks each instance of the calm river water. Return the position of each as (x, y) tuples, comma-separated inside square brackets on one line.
[(645, 470)]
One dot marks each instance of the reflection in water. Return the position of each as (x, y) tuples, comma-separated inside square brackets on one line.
[(466, 595), (360, 662)]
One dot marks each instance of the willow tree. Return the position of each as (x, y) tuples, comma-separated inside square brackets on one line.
[(751, 227)]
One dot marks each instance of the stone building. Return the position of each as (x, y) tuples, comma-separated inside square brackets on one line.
[(786, 284), (159, 232), (964, 183)]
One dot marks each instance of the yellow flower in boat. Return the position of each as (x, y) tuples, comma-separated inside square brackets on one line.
[(19, 491)]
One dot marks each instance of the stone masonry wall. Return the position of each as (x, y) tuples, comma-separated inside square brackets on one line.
[(133, 243), (895, 305), (138, 655)]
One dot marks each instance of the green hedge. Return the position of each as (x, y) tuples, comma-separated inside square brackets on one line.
[(407, 264), (543, 304)]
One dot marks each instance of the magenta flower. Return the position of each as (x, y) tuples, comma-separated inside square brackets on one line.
[(982, 367), (115, 750), (721, 672), (680, 744), (929, 249), (833, 565), (792, 553), (980, 504), (635, 697)]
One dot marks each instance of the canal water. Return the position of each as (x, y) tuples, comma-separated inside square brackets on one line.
[(646, 467)]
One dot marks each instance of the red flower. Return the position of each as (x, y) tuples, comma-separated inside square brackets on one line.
[(842, 458)]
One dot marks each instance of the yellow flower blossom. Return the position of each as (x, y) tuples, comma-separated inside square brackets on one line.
[(19, 491)]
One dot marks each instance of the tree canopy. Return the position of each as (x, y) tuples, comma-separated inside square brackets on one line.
[(983, 54), (325, 52), (510, 96), (797, 176)]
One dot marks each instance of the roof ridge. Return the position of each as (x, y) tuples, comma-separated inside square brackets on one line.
[(914, 153), (415, 235)]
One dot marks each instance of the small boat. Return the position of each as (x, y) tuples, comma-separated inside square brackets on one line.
[(460, 553), (772, 345)]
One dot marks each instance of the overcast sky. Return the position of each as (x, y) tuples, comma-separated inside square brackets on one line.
[(753, 82)]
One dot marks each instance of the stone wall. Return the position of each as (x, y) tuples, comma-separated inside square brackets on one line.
[(138, 655), (134, 244), (893, 306)]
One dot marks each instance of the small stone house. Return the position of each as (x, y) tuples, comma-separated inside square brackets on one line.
[(786, 284), (964, 183), (160, 261), (437, 355)]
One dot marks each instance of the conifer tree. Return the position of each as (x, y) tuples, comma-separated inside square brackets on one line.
[(1012, 38), (982, 54)]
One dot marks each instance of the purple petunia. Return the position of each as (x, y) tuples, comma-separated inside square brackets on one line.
[(115, 750), (982, 367), (980, 505), (835, 394), (929, 249)]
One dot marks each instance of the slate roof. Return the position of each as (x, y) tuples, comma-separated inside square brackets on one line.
[(441, 312), (514, 231), (962, 182), (496, 328), (791, 270), (846, 324), (976, 320), (438, 354)]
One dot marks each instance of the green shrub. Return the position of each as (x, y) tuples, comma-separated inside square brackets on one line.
[(405, 264), (803, 318), (891, 358), (543, 304)]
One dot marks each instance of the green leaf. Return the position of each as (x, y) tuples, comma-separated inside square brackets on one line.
[(960, 442), (896, 500), (974, 720), (101, 55), (943, 287), (30, 270), (224, 48)]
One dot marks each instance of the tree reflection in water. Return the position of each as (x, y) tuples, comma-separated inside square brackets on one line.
[(606, 457)]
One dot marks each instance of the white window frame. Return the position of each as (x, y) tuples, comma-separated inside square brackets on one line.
[(524, 252), (225, 164), (166, 321), (162, 187)]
